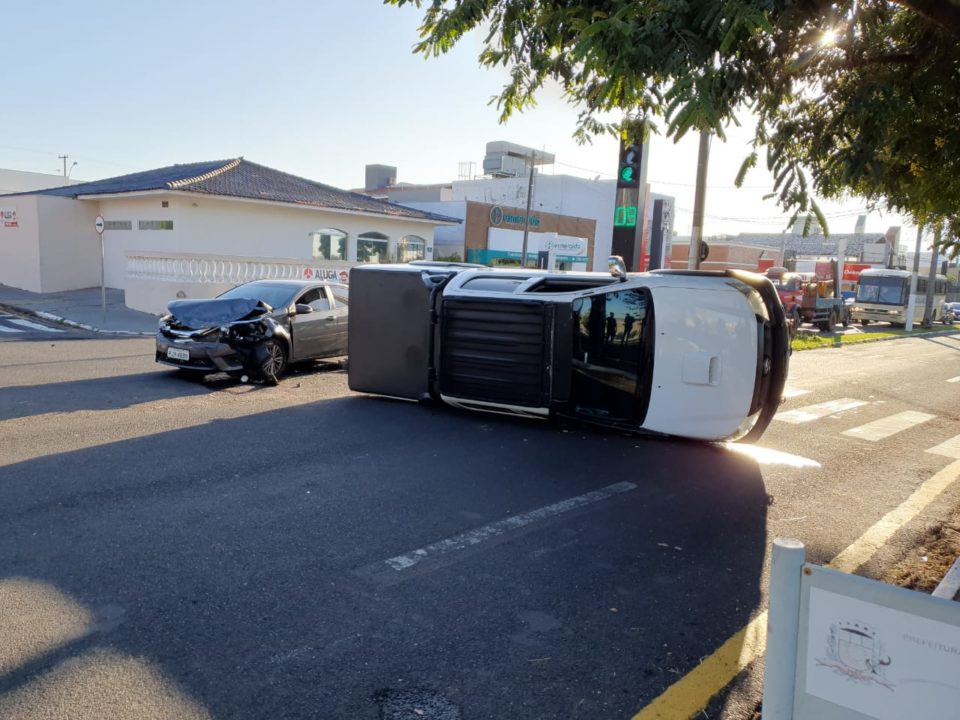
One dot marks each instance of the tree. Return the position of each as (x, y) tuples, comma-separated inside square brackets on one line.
[(851, 96)]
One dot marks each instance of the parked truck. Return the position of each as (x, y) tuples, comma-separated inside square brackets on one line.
[(811, 297)]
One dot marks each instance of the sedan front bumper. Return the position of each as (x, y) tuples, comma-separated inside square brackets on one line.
[(200, 356)]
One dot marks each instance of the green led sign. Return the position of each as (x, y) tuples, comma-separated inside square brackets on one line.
[(625, 216)]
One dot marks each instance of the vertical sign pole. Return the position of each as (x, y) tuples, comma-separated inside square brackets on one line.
[(98, 226), (783, 628), (526, 219)]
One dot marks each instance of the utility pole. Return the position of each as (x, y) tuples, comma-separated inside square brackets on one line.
[(932, 277), (696, 237), (912, 301), (526, 219), (64, 158)]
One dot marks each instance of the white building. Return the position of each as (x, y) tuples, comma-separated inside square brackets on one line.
[(197, 229), (14, 181), (558, 194)]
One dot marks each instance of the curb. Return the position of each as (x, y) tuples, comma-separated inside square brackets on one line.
[(71, 323), (950, 585), (939, 333)]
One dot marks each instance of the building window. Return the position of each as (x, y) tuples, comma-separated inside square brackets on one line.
[(329, 244), (118, 225), (372, 247), (155, 224), (411, 247)]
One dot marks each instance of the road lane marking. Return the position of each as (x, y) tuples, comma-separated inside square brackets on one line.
[(33, 325), (891, 425), (789, 393), (875, 538), (815, 412), (949, 448), (691, 694), (486, 532), (954, 380)]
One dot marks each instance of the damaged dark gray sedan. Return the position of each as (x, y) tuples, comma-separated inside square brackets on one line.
[(255, 330)]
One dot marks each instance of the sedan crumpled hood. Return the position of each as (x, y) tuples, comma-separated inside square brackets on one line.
[(198, 314)]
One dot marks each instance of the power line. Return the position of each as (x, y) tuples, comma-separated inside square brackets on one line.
[(654, 181)]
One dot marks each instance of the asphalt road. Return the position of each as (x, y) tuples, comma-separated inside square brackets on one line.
[(182, 549)]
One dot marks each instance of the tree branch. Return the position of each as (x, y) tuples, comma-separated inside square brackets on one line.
[(945, 13)]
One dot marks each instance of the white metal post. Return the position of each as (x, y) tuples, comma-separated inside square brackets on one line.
[(783, 619)]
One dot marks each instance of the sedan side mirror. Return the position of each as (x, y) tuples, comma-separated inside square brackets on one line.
[(303, 309)]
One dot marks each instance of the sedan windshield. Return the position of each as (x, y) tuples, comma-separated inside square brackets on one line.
[(276, 296)]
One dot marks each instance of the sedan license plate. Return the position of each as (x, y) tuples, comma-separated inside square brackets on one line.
[(178, 354)]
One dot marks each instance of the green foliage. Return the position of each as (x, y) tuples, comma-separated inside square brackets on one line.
[(875, 111)]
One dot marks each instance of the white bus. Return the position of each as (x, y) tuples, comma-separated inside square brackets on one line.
[(884, 295)]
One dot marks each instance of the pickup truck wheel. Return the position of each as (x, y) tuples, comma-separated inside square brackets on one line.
[(274, 361), (864, 322)]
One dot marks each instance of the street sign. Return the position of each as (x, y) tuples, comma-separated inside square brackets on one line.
[(98, 224)]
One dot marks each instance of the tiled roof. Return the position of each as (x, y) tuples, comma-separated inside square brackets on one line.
[(243, 179)]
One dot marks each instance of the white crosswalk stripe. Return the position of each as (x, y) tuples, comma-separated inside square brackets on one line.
[(815, 412), (33, 326), (949, 448), (954, 380), (14, 324), (890, 425), (789, 393)]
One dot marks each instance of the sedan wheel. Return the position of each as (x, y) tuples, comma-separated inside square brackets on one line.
[(274, 361)]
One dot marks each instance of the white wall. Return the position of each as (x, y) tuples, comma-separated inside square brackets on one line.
[(448, 237), (13, 181), (215, 226), (20, 246), (69, 245)]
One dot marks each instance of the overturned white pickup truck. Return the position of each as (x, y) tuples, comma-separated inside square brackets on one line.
[(701, 355)]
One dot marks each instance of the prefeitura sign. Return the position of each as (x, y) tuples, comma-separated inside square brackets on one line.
[(870, 650)]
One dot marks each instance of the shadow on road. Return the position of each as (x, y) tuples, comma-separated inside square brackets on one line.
[(223, 558)]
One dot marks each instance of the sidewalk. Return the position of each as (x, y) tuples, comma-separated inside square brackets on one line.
[(82, 309)]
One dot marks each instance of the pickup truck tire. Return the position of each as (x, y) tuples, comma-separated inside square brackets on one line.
[(864, 322)]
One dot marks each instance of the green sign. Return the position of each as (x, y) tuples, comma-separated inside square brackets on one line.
[(498, 216), (625, 216)]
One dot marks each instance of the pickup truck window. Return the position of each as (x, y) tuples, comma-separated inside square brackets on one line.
[(494, 284), (607, 352)]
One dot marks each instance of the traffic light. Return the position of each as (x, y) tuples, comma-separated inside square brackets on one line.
[(630, 157)]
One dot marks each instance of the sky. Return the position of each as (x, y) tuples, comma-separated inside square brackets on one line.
[(318, 89)]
